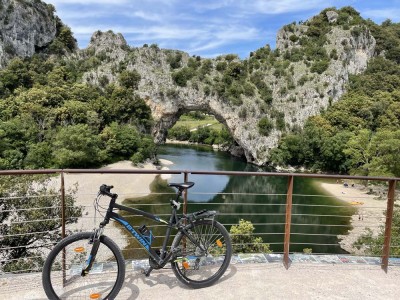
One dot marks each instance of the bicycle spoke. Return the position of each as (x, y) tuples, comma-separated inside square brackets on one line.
[(203, 262)]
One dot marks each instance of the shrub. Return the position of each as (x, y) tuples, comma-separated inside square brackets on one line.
[(180, 133), (303, 79), (137, 158), (129, 79), (221, 66), (294, 38), (265, 126), (320, 66), (182, 76), (174, 60), (244, 241)]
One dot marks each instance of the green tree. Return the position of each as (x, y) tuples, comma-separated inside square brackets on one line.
[(265, 126), (359, 152), (182, 76), (121, 140), (180, 133), (76, 146), (384, 147), (30, 221), (129, 79)]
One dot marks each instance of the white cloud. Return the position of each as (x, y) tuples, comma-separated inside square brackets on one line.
[(262, 6), (383, 14), (88, 2), (286, 6)]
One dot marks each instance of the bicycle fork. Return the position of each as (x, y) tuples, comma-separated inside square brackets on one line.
[(96, 243)]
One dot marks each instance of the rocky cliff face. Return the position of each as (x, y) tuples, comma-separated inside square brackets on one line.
[(282, 88), (299, 94), (25, 26)]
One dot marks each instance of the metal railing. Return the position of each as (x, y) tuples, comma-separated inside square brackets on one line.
[(286, 222)]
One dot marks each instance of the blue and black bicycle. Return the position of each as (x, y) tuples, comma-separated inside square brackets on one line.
[(89, 265)]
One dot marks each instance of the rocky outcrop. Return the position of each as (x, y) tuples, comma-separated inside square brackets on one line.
[(296, 89), (295, 100), (25, 26)]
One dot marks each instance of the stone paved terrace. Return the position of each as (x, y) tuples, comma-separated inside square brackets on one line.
[(252, 277)]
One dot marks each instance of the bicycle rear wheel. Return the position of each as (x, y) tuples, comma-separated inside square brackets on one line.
[(62, 277), (200, 268)]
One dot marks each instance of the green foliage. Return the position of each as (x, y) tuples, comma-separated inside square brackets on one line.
[(264, 91), (182, 76), (64, 41), (373, 244), (180, 133), (129, 79), (23, 193), (320, 66), (374, 155), (49, 119), (244, 240), (194, 127), (265, 126), (174, 59), (358, 134), (75, 146), (318, 147)]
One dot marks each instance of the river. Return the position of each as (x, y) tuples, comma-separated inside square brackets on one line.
[(230, 196)]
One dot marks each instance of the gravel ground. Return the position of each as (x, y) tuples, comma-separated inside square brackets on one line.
[(246, 281)]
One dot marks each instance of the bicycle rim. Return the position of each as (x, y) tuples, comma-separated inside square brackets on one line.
[(65, 276), (199, 268)]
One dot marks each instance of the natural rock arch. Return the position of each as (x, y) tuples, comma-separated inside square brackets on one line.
[(168, 100)]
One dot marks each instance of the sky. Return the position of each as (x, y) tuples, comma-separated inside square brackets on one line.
[(205, 27)]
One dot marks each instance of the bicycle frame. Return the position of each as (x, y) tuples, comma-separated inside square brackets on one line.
[(164, 256)]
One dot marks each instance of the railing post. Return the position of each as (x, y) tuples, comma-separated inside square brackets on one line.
[(185, 195), (62, 206), (388, 225), (289, 197), (64, 268)]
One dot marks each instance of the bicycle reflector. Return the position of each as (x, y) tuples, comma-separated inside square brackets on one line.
[(185, 264), (95, 296), (79, 249), (219, 243)]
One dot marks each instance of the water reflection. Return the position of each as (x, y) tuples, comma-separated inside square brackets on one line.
[(261, 200)]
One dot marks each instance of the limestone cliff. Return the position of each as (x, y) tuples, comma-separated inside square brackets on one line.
[(258, 98), (297, 90), (25, 26)]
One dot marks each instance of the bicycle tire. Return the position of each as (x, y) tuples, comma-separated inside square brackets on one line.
[(105, 279), (196, 269)]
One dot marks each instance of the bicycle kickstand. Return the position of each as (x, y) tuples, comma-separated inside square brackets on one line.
[(147, 273)]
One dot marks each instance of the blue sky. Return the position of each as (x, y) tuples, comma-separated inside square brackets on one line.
[(206, 27)]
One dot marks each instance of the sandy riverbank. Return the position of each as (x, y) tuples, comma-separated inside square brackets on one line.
[(370, 212), (125, 185)]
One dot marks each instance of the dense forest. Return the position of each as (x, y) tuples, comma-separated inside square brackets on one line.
[(50, 119), (360, 134)]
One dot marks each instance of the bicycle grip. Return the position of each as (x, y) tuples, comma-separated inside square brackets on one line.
[(105, 190)]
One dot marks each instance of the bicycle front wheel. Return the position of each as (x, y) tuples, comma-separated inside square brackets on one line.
[(204, 257), (62, 271)]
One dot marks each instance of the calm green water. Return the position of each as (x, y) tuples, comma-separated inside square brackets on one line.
[(229, 196)]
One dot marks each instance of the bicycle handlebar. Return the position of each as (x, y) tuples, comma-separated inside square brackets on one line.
[(105, 190)]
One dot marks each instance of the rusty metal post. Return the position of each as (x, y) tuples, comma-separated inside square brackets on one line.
[(185, 196), (289, 199), (388, 225), (63, 206)]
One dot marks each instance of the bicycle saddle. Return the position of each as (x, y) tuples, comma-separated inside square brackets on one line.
[(182, 186)]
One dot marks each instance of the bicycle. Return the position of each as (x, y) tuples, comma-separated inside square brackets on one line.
[(91, 265)]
